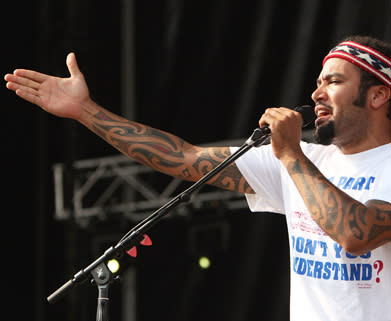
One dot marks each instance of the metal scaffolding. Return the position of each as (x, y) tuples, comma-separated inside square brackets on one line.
[(96, 187)]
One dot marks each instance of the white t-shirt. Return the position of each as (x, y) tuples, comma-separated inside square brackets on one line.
[(327, 283)]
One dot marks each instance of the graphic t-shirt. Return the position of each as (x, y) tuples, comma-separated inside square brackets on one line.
[(327, 283)]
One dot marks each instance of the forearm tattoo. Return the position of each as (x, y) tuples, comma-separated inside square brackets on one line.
[(339, 215), (230, 178), (166, 152), (142, 143)]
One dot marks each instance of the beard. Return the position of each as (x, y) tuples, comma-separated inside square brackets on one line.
[(325, 134)]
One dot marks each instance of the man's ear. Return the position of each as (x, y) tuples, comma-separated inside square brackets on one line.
[(379, 96)]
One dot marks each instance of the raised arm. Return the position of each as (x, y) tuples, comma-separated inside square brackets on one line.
[(357, 227), (167, 153)]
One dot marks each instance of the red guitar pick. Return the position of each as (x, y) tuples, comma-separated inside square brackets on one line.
[(132, 252), (146, 241)]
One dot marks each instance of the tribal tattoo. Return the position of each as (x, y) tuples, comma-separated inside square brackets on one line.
[(167, 153), (339, 215), (230, 178)]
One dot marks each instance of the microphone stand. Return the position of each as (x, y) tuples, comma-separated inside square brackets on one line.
[(98, 269)]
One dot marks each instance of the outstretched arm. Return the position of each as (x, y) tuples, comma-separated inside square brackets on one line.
[(69, 97), (163, 151)]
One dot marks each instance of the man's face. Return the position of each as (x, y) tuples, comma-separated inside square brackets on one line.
[(339, 120)]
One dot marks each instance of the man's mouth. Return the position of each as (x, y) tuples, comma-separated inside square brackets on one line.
[(323, 114)]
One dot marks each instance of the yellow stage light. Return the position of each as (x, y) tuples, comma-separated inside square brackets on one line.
[(113, 265), (204, 262)]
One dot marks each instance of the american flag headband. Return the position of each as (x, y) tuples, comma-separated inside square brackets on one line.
[(364, 57)]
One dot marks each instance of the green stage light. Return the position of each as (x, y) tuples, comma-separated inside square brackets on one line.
[(204, 262)]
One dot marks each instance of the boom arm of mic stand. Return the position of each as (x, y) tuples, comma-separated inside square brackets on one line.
[(259, 137)]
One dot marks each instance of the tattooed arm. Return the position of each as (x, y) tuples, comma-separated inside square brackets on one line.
[(163, 151), (69, 97), (358, 227)]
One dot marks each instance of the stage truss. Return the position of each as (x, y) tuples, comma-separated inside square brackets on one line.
[(114, 185)]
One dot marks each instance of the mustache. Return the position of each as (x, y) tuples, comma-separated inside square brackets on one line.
[(321, 103)]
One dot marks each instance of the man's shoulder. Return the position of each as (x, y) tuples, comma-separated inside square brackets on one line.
[(316, 149)]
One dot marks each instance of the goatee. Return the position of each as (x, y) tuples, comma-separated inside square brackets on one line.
[(325, 134)]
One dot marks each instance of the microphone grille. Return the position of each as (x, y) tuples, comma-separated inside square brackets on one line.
[(307, 113)]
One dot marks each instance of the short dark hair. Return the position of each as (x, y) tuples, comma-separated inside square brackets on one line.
[(368, 80)]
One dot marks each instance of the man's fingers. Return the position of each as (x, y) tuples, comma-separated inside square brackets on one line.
[(22, 81), (30, 74), (277, 114), (268, 116), (15, 86), (25, 92), (28, 95)]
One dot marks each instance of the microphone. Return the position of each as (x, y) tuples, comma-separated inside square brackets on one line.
[(307, 114)]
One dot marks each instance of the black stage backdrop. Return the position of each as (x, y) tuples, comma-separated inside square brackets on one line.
[(204, 70)]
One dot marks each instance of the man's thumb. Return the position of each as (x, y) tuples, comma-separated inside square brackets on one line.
[(72, 64)]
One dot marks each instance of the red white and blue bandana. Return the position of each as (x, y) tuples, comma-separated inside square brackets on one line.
[(364, 57)]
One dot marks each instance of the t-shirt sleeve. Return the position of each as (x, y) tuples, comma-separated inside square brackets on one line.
[(262, 172)]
